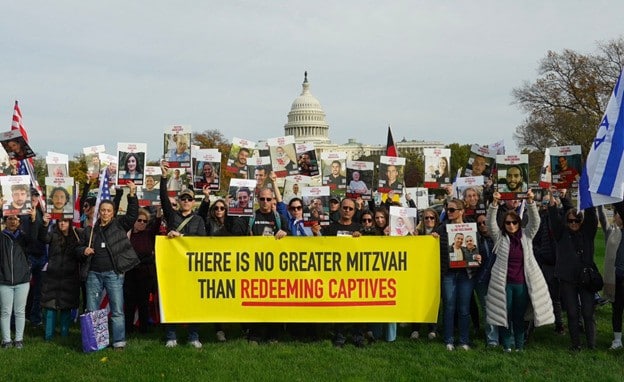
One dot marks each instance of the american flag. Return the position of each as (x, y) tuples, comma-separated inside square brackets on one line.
[(25, 166), (103, 193)]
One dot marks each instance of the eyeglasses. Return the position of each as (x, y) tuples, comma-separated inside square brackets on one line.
[(481, 223), (510, 222), (429, 218), (574, 221), (265, 199), (453, 210), (141, 220), (219, 208), (186, 199), (367, 220), (346, 208), (296, 208)]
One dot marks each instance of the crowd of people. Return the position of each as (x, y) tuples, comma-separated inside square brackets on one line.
[(531, 256)]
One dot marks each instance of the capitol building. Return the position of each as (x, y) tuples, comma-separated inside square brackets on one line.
[(306, 122)]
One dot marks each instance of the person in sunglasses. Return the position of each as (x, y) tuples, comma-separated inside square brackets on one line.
[(141, 280), (180, 222), (516, 279), (293, 212), (574, 233)]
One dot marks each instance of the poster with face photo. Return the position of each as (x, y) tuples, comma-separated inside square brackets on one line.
[(207, 169), (92, 157), (6, 168), (109, 162), (177, 180), (391, 174), (283, 156), (260, 169), (418, 195), (240, 153), (512, 173), (360, 179), (15, 146), (437, 167), (57, 164), (60, 192), (470, 190), (565, 165), (149, 194), (16, 194), (334, 172), (316, 205), (463, 248), (307, 162), (402, 221), (480, 161), (177, 146), (131, 159), (242, 194), (293, 186)]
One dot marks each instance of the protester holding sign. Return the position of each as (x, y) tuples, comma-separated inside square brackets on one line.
[(516, 277)]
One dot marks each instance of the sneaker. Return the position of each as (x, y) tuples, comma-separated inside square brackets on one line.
[(171, 343), (450, 347), (432, 335), (370, 336), (615, 345), (507, 350), (6, 345), (414, 335), (196, 344), (464, 347), (221, 336), (19, 344)]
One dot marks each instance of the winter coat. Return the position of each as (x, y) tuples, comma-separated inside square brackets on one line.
[(496, 300), (115, 235), (575, 250), (14, 264), (60, 288)]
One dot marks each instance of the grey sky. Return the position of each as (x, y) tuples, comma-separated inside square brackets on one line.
[(89, 73)]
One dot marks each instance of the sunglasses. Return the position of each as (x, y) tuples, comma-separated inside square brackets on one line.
[(481, 223), (453, 210), (296, 208), (345, 208), (141, 220), (510, 222), (429, 218), (265, 199), (574, 221), (219, 208), (186, 199), (367, 220)]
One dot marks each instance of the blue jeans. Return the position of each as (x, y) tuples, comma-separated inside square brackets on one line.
[(491, 331), (13, 299), (457, 290), (113, 283), (193, 335)]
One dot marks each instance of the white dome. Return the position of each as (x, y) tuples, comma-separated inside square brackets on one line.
[(306, 120)]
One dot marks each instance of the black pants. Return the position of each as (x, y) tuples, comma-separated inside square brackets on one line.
[(618, 304), (138, 283), (571, 294)]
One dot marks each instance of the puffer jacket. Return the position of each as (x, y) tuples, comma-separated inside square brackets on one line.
[(14, 264), (115, 234)]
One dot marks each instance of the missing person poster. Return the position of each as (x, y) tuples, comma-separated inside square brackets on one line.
[(513, 177), (437, 167), (360, 179), (463, 249), (60, 193), (565, 165)]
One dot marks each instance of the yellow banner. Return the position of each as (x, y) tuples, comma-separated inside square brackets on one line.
[(298, 279)]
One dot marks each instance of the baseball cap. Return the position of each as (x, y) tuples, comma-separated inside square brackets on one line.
[(188, 192)]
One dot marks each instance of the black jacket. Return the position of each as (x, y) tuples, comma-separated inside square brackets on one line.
[(575, 250), (14, 264), (60, 287), (115, 235), (195, 227)]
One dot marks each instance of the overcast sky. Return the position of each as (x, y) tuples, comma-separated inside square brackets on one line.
[(89, 73)]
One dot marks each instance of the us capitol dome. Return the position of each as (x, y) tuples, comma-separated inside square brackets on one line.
[(306, 122)]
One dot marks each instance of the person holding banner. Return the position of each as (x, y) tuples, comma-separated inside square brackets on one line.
[(181, 222), (516, 279), (107, 255), (457, 284)]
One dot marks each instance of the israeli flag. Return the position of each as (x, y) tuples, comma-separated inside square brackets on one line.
[(602, 181)]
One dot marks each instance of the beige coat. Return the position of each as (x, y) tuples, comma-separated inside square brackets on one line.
[(496, 300)]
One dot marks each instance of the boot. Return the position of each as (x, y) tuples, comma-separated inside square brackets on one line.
[(65, 322), (50, 323)]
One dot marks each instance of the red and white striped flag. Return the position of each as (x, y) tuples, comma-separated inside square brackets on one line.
[(17, 122)]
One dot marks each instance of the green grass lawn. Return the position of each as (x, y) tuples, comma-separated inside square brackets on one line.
[(146, 359)]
